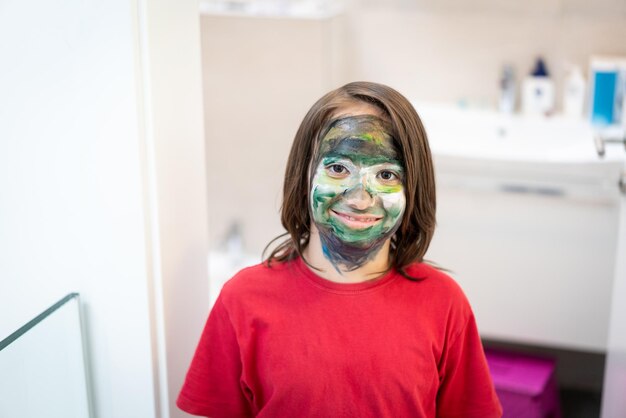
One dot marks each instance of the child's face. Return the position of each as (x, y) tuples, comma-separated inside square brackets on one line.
[(357, 192)]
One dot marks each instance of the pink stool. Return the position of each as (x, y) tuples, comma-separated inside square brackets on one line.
[(525, 384)]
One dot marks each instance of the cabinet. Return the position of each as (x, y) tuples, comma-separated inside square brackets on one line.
[(530, 238)]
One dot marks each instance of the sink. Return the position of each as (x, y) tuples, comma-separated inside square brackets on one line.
[(487, 134)]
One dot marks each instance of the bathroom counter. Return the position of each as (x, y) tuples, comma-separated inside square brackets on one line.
[(487, 134)]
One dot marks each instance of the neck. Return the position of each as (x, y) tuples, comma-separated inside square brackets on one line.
[(374, 266)]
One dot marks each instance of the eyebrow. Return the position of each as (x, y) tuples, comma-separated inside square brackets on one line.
[(334, 156)]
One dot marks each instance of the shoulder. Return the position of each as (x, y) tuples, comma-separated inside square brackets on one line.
[(257, 278), (439, 292), (435, 280)]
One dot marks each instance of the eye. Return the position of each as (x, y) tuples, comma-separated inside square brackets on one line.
[(388, 176), (337, 170)]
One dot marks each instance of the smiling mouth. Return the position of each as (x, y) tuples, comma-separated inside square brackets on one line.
[(356, 220)]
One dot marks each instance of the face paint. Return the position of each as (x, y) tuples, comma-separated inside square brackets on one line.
[(357, 192)]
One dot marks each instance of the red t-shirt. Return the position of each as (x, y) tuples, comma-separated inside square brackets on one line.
[(284, 342)]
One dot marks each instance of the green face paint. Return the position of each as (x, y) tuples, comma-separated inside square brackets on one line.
[(357, 196)]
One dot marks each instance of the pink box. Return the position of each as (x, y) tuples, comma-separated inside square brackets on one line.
[(525, 384)]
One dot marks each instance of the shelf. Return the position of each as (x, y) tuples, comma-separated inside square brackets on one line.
[(308, 9)]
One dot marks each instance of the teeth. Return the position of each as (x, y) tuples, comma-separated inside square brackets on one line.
[(361, 220)]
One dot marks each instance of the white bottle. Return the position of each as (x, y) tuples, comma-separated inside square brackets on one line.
[(507, 90), (574, 93), (538, 91)]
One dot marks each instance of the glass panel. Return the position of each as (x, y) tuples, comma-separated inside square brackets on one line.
[(42, 371)]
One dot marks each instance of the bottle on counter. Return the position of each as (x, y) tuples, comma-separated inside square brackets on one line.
[(574, 93), (538, 91), (506, 104)]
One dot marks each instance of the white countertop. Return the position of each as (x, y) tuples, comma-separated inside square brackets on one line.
[(489, 135)]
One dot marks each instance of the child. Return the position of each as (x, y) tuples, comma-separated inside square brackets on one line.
[(344, 319)]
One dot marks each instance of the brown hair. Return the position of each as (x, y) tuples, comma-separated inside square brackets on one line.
[(411, 240)]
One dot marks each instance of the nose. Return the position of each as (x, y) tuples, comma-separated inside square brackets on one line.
[(358, 197)]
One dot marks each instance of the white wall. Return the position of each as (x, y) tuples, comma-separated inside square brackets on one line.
[(91, 151), (452, 50), (261, 76), (71, 209)]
